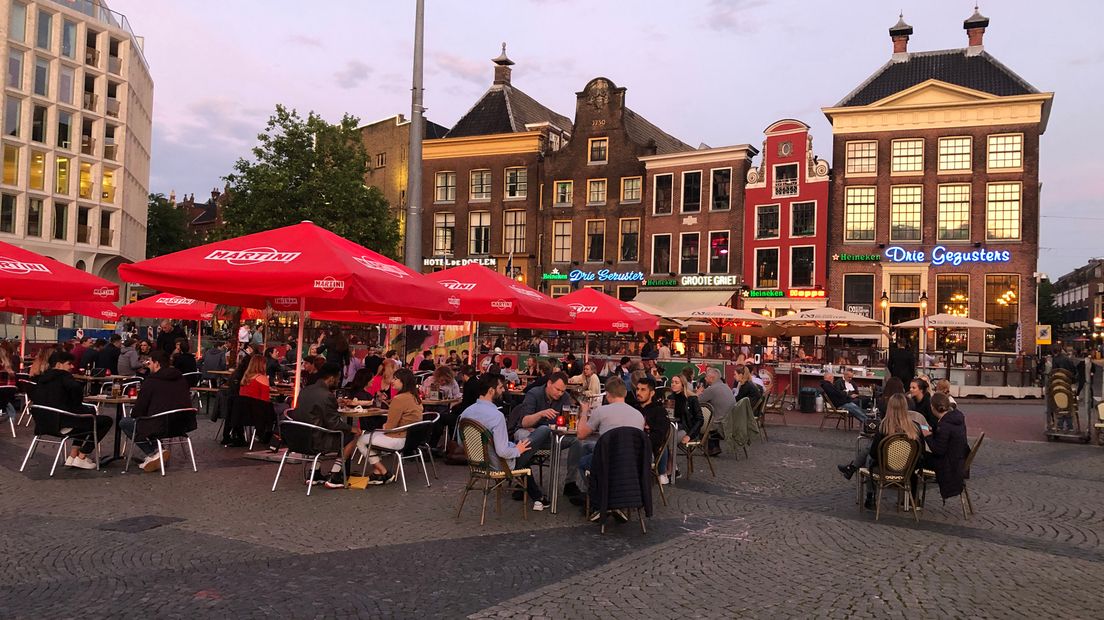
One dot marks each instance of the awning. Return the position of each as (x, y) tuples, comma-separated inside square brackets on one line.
[(671, 302)]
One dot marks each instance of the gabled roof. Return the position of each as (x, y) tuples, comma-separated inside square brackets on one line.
[(643, 132), (208, 213), (979, 72), (505, 109)]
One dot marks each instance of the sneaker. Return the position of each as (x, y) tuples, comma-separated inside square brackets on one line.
[(68, 461), (390, 477), (83, 462), (847, 470), (620, 515), (595, 516), (384, 478), (541, 504), (663, 479), (335, 481), (316, 478), (151, 463)]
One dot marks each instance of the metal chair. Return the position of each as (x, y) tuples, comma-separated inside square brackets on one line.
[(656, 458), (310, 442), (417, 436), (8, 393), (176, 424), (897, 458), (701, 444), (25, 386), (50, 422), (485, 465)]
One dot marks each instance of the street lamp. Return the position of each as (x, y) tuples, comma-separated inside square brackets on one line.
[(924, 336), (885, 314)]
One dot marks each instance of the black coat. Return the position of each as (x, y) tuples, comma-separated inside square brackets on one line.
[(924, 408), (901, 364), (621, 471), (109, 358), (948, 453), (689, 413), (165, 390), (58, 389)]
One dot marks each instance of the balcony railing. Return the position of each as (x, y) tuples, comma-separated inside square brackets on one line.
[(785, 187), (106, 236), (90, 100), (115, 65), (111, 150), (88, 145), (92, 56), (111, 106), (84, 234)]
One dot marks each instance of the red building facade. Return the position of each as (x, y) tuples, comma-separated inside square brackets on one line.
[(786, 223)]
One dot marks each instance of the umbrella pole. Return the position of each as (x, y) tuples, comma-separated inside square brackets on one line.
[(299, 353), (471, 342), (23, 339), (586, 352)]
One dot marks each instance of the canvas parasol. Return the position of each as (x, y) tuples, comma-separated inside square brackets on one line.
[(596, 311)]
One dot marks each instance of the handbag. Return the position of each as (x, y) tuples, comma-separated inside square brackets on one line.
[(455, 454)]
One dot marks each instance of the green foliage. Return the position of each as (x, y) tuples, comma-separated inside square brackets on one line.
[(166, 228), (1048, 311), (309, 170)]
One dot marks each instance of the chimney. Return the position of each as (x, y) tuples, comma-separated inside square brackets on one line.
[(975, 30), (899, 34), (502, 68)]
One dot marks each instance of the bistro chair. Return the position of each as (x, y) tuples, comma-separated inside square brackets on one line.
[(49, 422), (665, 449), (897, 457), (8, 393), (701, 444), (167, 428), (25, 385), (310, 443), (776, 406), (759, 412), (482, 461), (619, 486), (929, 476), (417, 437), (832, 413)]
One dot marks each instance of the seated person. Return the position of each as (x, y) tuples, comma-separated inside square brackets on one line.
[(508, 373), (484, 411), (948, 446), (214, 359), (943, 386), (846, 384), (746, 387), (165, 389), (840, 400), (57, 388), (358, 388), (382, 384), (920, 400), (589, 380), (688, 410), (317, 405), (655, 416), (544, 369), (530, 418), (182, 358), (901, 422), (443, 380), (426, 363), (405, 408), (592, 424)]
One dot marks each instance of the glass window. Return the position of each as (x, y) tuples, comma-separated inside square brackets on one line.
[(661, 254), (444, 186), (785, 180), (444, 233), (65, 85), (13, 112), (954, 213), (513, 232), (803, 219), (17, 22), (718, 252), (688, 254), (858, 294), (908, 156), (691, 192), (954, 154), (516, 182), (599, 151), (105, 228), (630, 189), (84, 231), (564, 190), (595, 241), (904, 288), (720, 193), (628, 250), (766, 268), (43, 37), (64, 129), (561, 241), (69, 39), (34, 217), (1002, 308), (858, 217), (7, 213), (38, 123), (905, 212), (11, 164), (61, 221), (108, 194), (37, 176), (862, 157), (42, 77), (15, 69), (1006, 151), (85, 180), (559, 290), (952, 296), (1002, 211), (626, 293), (766, 222), (663, 194), (479, 232), (596, 191), (802, 263), (480, 185), (61, 176)]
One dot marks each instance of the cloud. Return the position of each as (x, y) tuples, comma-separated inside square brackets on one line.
[(732, 15), (353, 74), (462, 68), (303, 40)]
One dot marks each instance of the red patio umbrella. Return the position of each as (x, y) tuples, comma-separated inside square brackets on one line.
[(346, 316), (596, 311), (26, 275), (103, 310), (169, 306), (301, 267)]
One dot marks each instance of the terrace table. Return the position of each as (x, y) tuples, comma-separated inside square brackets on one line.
[(558, 434), (118, 402)]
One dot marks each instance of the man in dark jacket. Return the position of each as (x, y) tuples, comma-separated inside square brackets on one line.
[(58, 389), (900, 363), (317, 405), (109, 356), (164, 390), (91, 355), (840, 400), (167, 337), (948, 446)]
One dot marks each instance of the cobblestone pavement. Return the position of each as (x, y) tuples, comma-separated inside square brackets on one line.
[(775, 535)]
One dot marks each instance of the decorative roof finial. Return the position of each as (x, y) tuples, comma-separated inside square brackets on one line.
[(502, 59)]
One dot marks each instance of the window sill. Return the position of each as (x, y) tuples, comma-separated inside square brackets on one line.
[(726, 209), (860, 175), (767, 238), (514, 198), (956, 171), (656, 214), (479, 199), (561, 204), (630, 202), (907, 241), (989, 170), (917, 173), (598, 163), (597, 204), (690, 212), (954, 241), (444, 202)]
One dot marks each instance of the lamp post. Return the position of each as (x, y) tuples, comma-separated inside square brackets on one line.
[(885, 314), (924, 336)]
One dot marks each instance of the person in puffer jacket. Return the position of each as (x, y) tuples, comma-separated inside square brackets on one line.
[(948, 446)]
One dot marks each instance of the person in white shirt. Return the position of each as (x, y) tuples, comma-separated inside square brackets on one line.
[(243, 334), (542, 347), (664, 350)]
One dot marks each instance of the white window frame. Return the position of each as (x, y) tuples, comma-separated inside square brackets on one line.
[(558, 290), (1019, 214), (969, 154), (440, 249), (989, 152), (557, 224), (816, 209), (847, 213), (778, 268), (670, 250), (774, 183), (893, 171), (847, 158), (450, 197), (730, 187), (507, 226), (489, 184), (892, 213), (472, 226), (939, 212), (791, 269), (655, 193), (709, 257), (755, 231), (698, 269), (682, 192)]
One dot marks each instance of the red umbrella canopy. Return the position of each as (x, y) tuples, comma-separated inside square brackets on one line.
[(26, 275), (169, 306), (597, 312), (480, 294), (295, 267), (347, 316), (103, 310)]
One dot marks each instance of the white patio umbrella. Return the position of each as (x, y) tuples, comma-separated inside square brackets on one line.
[(945, 321)]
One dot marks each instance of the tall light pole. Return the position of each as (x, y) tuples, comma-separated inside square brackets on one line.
[(924, 336), (413, 240)]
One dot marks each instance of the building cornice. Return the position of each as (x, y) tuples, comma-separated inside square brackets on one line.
[(476, 146), (700, 156)]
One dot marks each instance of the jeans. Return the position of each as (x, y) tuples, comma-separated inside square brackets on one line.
[(579, 450), (88, 446), (584, 467), (145, 445), (540, 438), (855, 411)]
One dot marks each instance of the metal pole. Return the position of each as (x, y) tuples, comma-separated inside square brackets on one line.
[(413, 239), (23, 339), (299, 351)]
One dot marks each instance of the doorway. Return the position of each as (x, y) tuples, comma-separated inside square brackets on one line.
[(909, 338)]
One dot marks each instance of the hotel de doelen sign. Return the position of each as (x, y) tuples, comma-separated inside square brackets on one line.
[(938, 256)]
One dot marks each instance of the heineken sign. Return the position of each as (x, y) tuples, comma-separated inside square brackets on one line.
[(660, 282), (857, 258), (602, 275), (793, 293)]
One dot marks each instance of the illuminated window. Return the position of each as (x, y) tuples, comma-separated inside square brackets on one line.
[(561, 241), (862, 157), (11, 164), (908, 156), (595, 241), (108, 194), (1002, 308), (1006, 151), (954, 154), (37, 176), (858, 216), (1002, 211), (954, 213), (61, 176), (905, 212), (85, 180), (952, 296), (718, 252)]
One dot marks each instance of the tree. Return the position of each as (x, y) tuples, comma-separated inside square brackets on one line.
[(309, 170), (1049, 314), (166, 227)]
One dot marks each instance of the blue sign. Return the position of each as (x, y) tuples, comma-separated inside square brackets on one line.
[(605, 275), (942, 256)]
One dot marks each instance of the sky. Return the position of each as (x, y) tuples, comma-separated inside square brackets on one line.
[(706, 71)]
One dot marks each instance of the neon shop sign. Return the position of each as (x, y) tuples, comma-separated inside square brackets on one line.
[(942, 256)]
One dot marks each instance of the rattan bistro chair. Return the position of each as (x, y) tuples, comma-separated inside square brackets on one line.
[(166, 429), (832, 413), (482, 461), (759, 413), (774, 406), (700, 444), (897, 457), (929, 476)]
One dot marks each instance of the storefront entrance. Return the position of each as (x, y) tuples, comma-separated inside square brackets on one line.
[(905, 337)]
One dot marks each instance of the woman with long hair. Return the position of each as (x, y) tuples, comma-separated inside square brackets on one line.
[(382, 383), (893, 386), (41, 362), (405, 408), (444, 380), (254, 383), (358, 388), (589, 380), (896, 421), (687, 409)]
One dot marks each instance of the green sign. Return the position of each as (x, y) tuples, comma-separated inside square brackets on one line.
[(857, 258), (554, 276), (660, 282), (766, 293)]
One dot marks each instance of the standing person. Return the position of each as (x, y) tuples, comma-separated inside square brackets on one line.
[(258, 338), (901, 363), (88, 360), (542, 346), (166, 337), (165, 389), (109, 356), (373, 360), (78, 350), (337, 349), (244, 336), (129, 363), (649, 351), (405, 408), (57, 388), (948, 446)]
